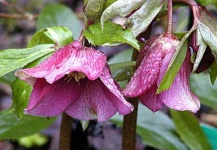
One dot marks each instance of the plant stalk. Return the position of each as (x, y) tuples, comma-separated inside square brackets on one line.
[(169, 18), (65, 132)]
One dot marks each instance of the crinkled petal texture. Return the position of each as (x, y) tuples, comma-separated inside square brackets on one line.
[(52, 99), (99, 101), (179, 95), (146, 74), (71, 58)]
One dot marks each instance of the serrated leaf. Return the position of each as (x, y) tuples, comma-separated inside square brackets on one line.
[(213, 72), (202, 87), (59, 15), (202, 48), (206, 2), (175, 63), (156, 130), (190, 131), (140, 20), (12, 59), (120, 7), (12, 128), (59, 36), (111, 34), (21, 91)]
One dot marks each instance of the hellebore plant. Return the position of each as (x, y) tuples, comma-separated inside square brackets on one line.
[(75, 80)]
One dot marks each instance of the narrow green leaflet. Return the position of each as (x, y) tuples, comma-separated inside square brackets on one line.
[(58, 35), (122, 71), (190, 131), (213, 72), (202, 48), (59, 15), (12, 128), (156, 130), (12, 59), (175, 64), (206, 2), (202, 87), (110, 35), (139, 21), (120, 7), (21, 91)]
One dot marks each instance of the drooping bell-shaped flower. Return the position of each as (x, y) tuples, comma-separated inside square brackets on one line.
[(154, 60), (75, 80)]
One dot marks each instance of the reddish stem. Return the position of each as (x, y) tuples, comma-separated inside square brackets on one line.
[(65, 132), (169, 18)]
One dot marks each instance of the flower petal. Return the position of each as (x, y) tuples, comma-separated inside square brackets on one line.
[(151, 100), (70, 58), (92, 103), (179, 95), (147, 73), (112, 91), (52, 99)]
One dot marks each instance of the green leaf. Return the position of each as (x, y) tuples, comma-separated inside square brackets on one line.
[(213, 72), (8, 78), (59, 15), (206, 2), (122, 71), (21, 91), (190, 131), (111, 34), (175, 63), (207, 26), (122, 56), (12, 128), (140, 20), (202, 48), (12, 59), (120, 7), (156, 130), (202, 87), (59, 36)]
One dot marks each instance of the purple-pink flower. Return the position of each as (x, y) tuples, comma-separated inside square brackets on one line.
[(75, 80), (154, 60)]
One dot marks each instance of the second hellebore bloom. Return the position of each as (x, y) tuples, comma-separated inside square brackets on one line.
[(155, 58), (75, 80)]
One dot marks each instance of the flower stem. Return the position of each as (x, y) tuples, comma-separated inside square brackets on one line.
[(130, 120), (129, 128), (169, 18), (65, 132)]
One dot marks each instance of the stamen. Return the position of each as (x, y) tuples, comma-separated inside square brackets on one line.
[(76, 75)]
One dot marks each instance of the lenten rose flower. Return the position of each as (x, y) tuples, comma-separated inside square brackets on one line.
[(157, 54), (75, 80)]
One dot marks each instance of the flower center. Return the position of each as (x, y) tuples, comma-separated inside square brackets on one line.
[(76, 75)]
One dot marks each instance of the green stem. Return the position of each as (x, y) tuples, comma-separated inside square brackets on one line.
[(65, 132)]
